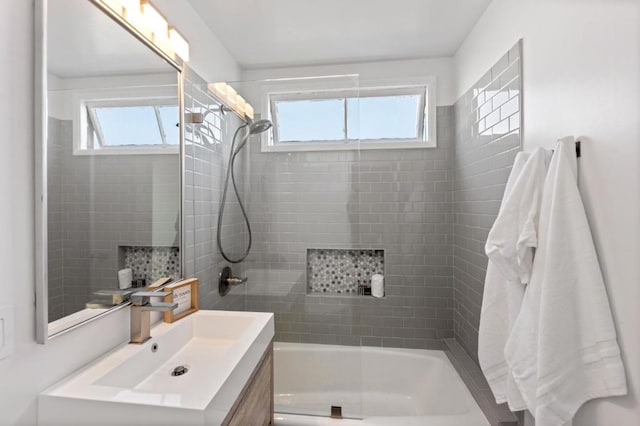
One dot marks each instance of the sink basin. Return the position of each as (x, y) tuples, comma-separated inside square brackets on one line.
[(134, 384)]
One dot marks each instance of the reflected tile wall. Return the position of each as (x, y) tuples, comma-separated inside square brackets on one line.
[(396, 200), (98, 203), (55, 214), (151, 263), (487, 123)]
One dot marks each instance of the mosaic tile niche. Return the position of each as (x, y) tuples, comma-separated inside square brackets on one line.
[(341, 271), (151, 263)]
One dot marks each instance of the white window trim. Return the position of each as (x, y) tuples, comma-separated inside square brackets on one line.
[(82, 100), (323, 89)]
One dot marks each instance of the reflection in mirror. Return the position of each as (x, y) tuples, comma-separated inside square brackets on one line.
[(112, 164)]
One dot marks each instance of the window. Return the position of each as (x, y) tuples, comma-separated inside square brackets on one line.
[(401, 116), (127, 126)]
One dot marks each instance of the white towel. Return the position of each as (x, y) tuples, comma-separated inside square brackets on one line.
[(509, 247), (563, 350)]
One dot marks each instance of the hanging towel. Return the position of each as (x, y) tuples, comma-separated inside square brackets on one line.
[(494, 315), (562, 350), (509, 247)]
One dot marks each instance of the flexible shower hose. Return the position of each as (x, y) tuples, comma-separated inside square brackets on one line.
[(230, 172)]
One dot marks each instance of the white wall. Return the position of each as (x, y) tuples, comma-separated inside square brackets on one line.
[(32, 368), (441, 68), (582, 77), (209, 57)]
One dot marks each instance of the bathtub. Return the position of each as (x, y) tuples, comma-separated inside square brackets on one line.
[(374, 386)]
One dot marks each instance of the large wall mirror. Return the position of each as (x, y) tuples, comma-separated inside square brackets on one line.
[(108, 165)]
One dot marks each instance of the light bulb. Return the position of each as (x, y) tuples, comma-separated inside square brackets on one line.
[(248, 111), (155, 21), (241, 105), (131, 6), (179, 44), (219, 89), (231, 96)]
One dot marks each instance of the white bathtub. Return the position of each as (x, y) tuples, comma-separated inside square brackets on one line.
[(374, 386)]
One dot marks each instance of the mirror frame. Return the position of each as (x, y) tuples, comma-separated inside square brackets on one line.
[(41, 143)]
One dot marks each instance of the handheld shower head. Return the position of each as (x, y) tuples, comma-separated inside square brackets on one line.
[(255, 128), (260, 126)]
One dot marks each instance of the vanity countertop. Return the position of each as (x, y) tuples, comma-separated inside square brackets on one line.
[(133, 383)]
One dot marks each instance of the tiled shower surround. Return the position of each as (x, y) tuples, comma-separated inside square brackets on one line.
[(207, 148), (342, 271), (395, 200), (487, 141), (428, 209)]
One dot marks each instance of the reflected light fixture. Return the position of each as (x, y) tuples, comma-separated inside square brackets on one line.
[(131, 6), (115, 5), (178, 44), (155, 21), (149, 22), (133, 15)]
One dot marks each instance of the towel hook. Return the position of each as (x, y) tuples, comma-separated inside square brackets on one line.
[(578, 150)]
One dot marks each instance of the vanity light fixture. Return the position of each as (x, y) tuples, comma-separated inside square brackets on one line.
[(115, 5), (133, 15), (219, 89), (249, 111), (230, 98), (179, 44), (148, 22), (241, 104), (156, 22), (131, 6)]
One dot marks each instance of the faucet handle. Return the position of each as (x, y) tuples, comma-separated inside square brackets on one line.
[(141, 298), (237, 281)]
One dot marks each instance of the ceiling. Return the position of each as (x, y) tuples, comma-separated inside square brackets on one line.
[(260, 33), (82, 42)]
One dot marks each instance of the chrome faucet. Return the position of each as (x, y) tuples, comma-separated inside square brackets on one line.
[(141, 307)]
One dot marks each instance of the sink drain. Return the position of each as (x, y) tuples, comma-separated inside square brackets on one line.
[(180, 370)]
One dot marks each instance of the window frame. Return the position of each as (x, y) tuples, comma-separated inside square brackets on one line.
[(83, 116), (295, 90)]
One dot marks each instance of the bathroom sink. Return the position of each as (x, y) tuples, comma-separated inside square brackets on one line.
[(189, 373)]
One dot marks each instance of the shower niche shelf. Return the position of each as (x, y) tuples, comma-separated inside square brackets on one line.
[(150, 263), (339, 272)]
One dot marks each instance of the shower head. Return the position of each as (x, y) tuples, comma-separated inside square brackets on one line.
[(255, 128), (259, 126)]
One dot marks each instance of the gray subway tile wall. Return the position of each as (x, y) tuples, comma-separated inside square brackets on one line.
[(396, 200), (487, 139), (151, 263), (96, 204), (55, 213), (207, 148), (342, 270), (429, 210)]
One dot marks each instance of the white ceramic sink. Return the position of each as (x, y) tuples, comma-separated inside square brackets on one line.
[(133, 385)]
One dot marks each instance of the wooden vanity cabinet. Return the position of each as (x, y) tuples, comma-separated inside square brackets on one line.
[(254, 406)]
